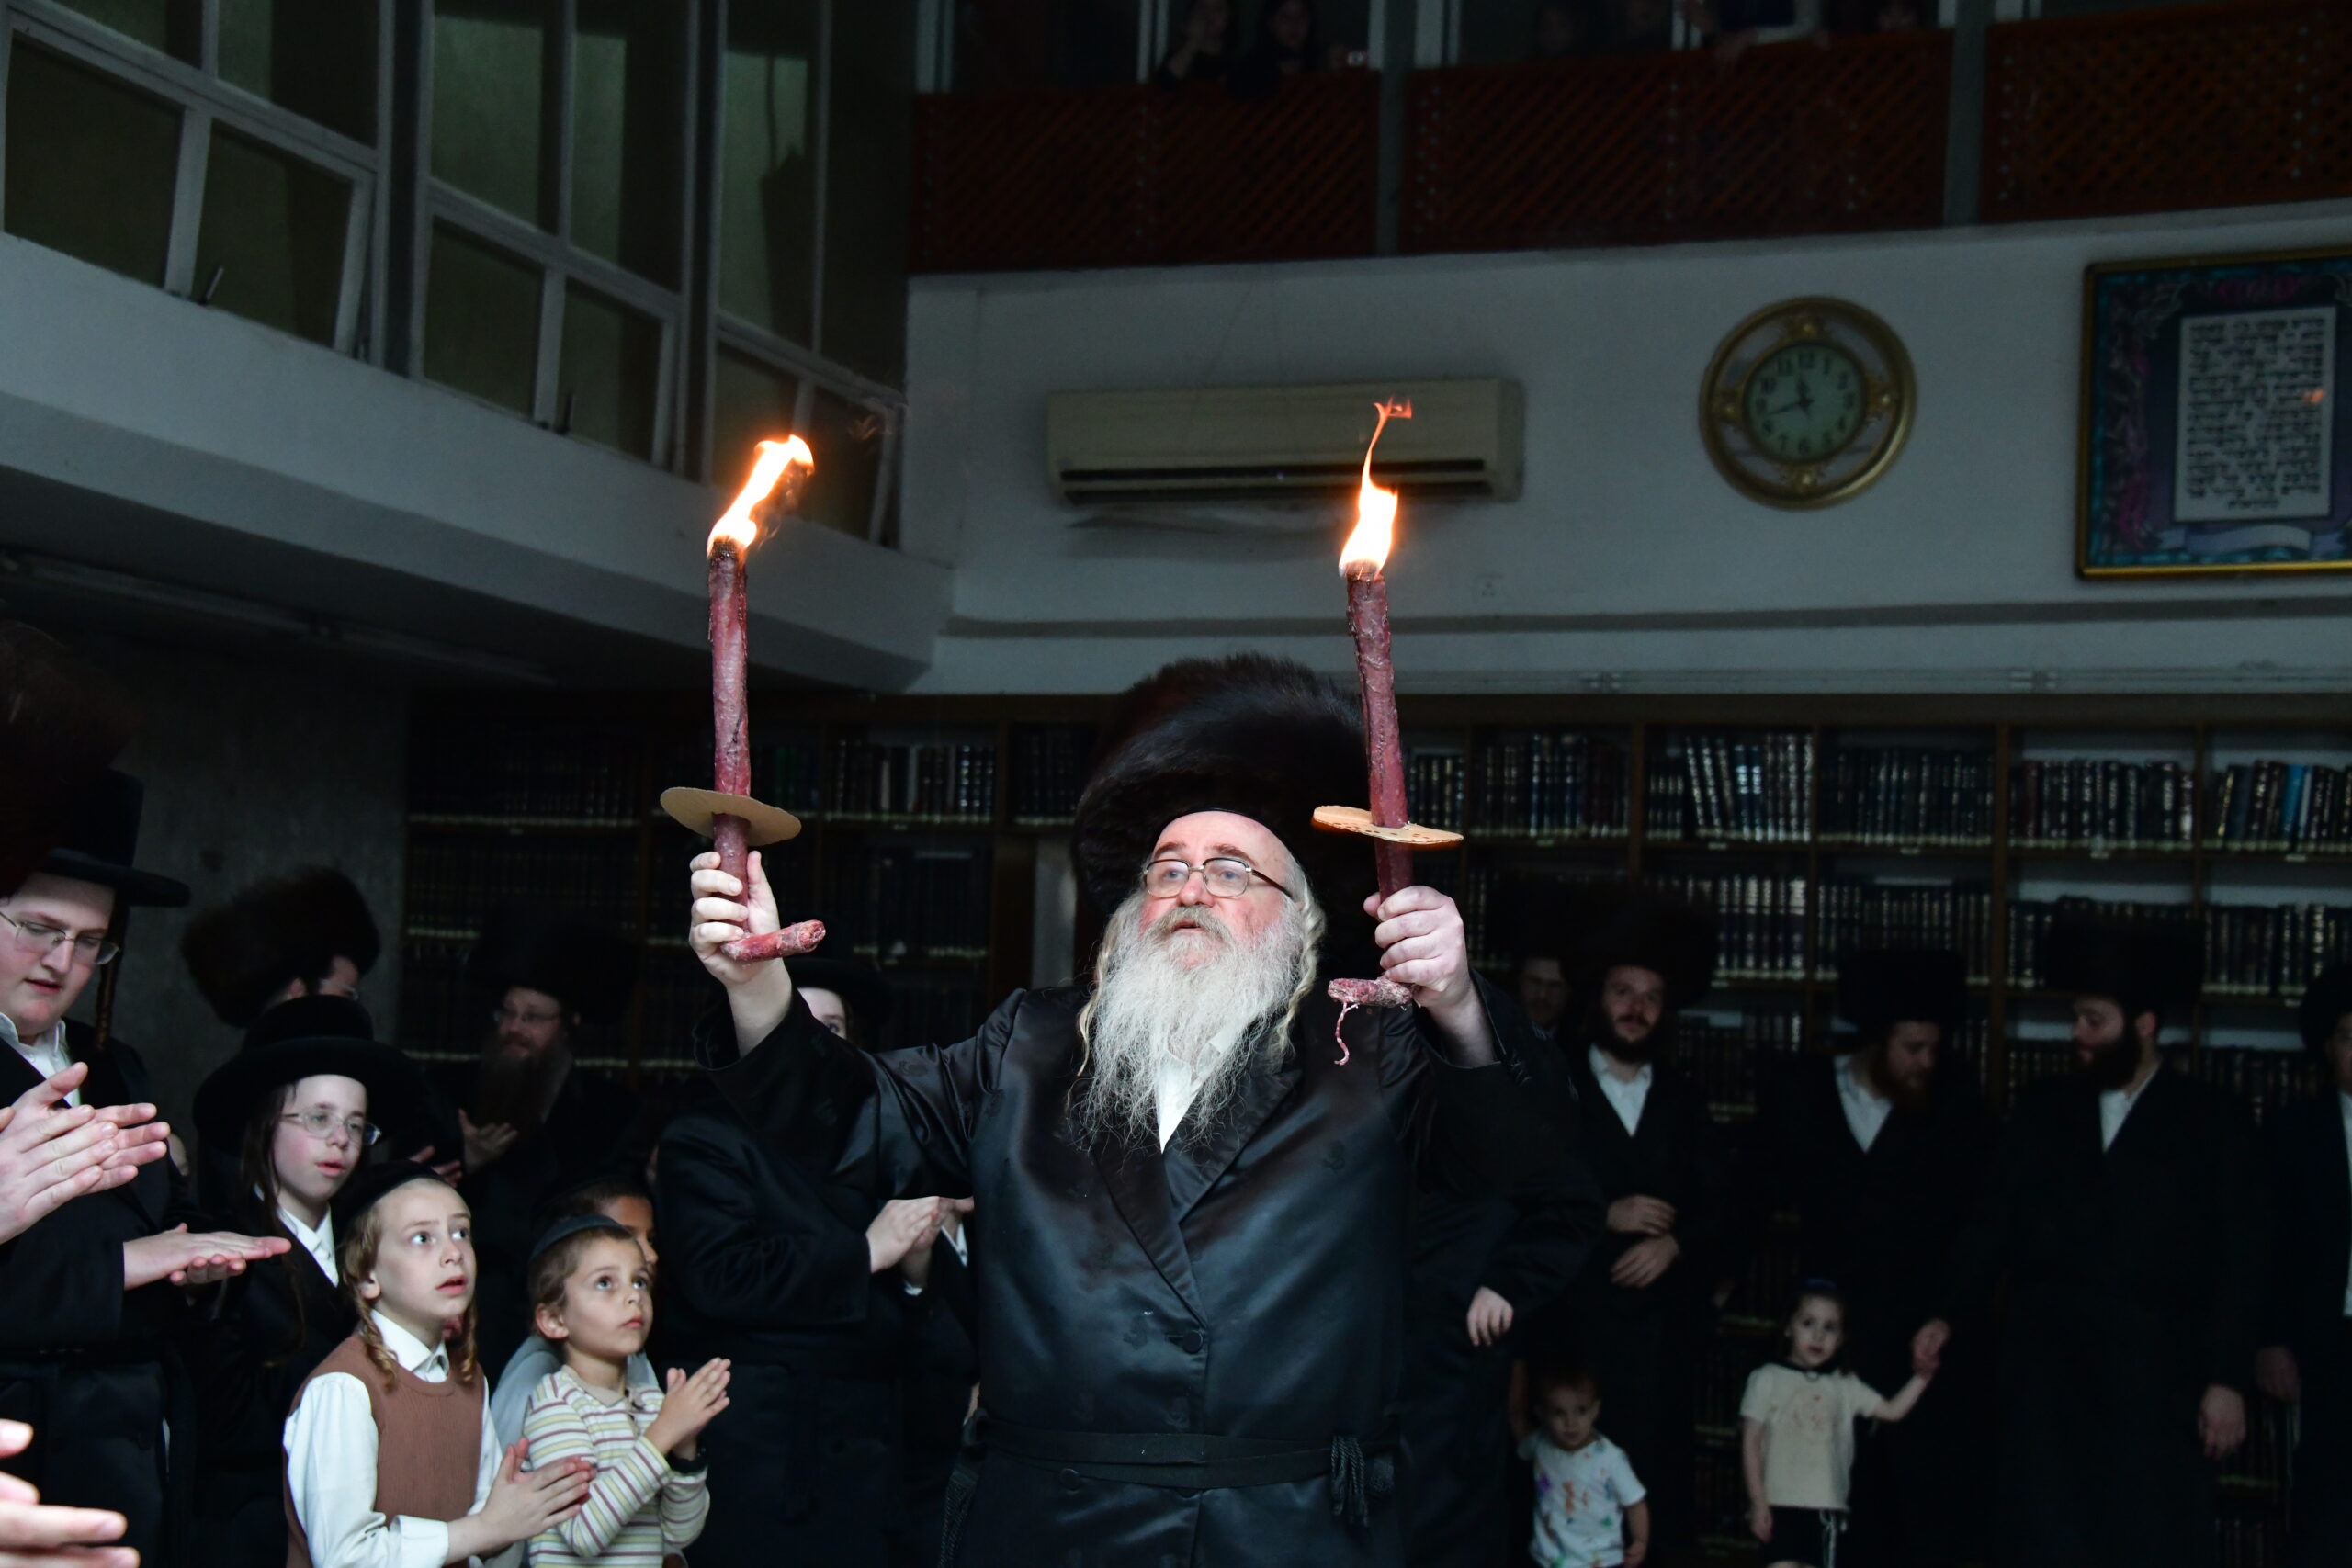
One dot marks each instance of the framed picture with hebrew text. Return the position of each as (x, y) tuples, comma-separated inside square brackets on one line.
[(2214, 433)]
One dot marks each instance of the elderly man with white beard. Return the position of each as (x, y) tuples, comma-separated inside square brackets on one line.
[(1192, 1182)]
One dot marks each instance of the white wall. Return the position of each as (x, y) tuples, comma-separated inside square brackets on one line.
[(1628, 563)]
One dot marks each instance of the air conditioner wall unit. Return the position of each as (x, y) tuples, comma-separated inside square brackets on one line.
[(1283, 444)]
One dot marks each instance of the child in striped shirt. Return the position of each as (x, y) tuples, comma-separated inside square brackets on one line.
[(593, 1299)]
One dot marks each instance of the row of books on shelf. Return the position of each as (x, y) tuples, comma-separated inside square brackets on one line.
[(2101, 801), (501, 769), (1746, 787), (1541, 783), (1906, 794), (1760, 922), (1049, 767), (2253, 950), (2275, 806), (1857, 915), (908, 905), (2264, 1079), (455, 879), (944, 782)]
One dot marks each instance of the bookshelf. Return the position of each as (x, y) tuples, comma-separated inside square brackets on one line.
[(936, 845)]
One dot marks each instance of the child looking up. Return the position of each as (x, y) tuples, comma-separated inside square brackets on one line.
[(1590, 1511), (592, 1292), (1796, 1433), (629, 1205), (390, 1461)]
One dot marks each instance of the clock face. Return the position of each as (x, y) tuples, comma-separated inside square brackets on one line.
[(1804, 402)]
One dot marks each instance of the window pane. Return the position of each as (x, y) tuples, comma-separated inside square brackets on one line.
[(481, 321), (846, 439), (172, 26), (750, 402), (610, 379), (91, 164), (273, 231), (767, 177), (317, 61), (1062, 43), (866, 218), (627, 119), (489, 76)]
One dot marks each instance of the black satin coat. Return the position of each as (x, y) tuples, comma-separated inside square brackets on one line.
[(1246, 1283), (89, 1364), (2311, 1254), (2135, 1281)]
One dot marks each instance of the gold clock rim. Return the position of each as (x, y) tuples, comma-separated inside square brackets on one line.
[(1778, 346), (1881, 336)]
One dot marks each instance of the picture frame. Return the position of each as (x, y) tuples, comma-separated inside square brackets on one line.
[(2215, 437)]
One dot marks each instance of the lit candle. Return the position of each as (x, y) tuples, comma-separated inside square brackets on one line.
[(1360, 564), (786, 464)]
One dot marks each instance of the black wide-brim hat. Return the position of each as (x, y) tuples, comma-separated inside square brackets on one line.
[(588, 967), (1646, 929), (2325, 1001), (308, 1037), (370, 1185), (101, 844), (289, 928), (860, 986), (1881, 988), (1262, 738), (2149, 961), (62, 723)]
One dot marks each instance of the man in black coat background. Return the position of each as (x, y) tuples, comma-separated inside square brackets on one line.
[(1880, 1152), (2124, 1219), (88, 1303), (535, 1123), (1192, 1182), (2307, 1329), (1636, 1314), (1482, 1265)]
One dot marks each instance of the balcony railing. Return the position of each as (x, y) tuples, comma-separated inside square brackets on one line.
[(2159, 112), (1133, 177), (2155, 111), (1795, 138)]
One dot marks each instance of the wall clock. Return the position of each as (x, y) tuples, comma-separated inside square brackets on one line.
[(1807, 403)]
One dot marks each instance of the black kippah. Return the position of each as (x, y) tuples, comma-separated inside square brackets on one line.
[(572, 1225)]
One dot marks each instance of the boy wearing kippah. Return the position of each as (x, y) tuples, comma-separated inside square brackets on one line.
[(593, 1297)]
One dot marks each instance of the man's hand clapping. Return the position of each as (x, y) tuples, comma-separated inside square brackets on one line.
[(193, 1259), (52, 1153), (35, 1536), (904, 1225)]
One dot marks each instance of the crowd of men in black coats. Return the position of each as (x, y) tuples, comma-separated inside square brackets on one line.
[(2109, 1275)]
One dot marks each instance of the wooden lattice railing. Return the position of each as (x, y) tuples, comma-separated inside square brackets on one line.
[(1790, 139), (2155, 111), (1129, 176)]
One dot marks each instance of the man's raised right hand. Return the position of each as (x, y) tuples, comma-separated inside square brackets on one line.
[(757, 994)]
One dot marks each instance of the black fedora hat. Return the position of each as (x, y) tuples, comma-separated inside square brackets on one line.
[(308, 1037), (370, 1185), (1882, 987), (101, 844), (588, 967)]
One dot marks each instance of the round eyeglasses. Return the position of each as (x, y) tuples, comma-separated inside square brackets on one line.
[(1224, 876), (323, 1125)]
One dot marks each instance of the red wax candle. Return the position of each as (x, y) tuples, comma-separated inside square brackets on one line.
[(1384, 747), (730, 723)]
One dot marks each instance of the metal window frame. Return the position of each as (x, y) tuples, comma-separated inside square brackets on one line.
[(813, 371), (547, 246), (204, 100)]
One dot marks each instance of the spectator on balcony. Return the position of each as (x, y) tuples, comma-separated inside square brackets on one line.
[(1637, 27), (1564, 29), (1209, 48), (1289, 43), (1734, 26)]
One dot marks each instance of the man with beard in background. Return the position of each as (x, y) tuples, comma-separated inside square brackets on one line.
[(1191, 1180), (535, 1126), (1880, 1152), (2124, 1216), (1637, 1311)]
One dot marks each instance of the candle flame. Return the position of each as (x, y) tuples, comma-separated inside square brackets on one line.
[(774, 462), (1375, 506)]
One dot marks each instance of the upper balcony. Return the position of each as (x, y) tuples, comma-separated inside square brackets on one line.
[(2149, 111)]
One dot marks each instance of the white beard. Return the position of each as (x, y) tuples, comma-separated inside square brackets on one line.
[(1199, 1001)]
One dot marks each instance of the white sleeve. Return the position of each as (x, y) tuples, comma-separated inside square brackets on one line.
[(330, 1476), (1622, 1478), (494, 1454)]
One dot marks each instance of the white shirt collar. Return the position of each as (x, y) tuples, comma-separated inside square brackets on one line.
[(45, 1053), (1179, 1086), (1625, 1096), (430, 1363), (2115, 1104), (319, 1243), (1605, 1069), (1866, 1110)]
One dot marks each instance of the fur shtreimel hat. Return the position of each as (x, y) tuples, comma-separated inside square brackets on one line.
[(289, 928), (1643, 929), (2150, 961), (1879, 990), (2325, 1001), (1266, 738), (589, 968)]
